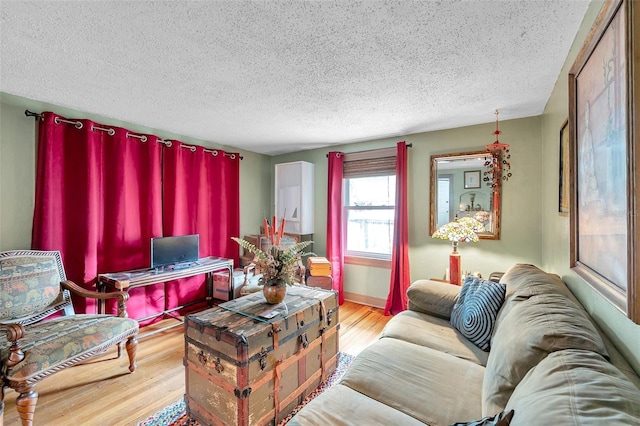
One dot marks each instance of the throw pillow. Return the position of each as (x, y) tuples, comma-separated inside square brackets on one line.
[(500, 419), (476, 310)]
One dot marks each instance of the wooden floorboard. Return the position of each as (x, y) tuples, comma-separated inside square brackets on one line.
[(102, 391)]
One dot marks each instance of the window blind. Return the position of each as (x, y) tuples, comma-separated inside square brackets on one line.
[(381, 162)]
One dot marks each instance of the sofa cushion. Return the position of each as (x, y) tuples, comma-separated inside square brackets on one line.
[(534, 328), (476, 309), (618, 360), (433, 297), (575, 387), (434, 333), (343, 406), (524, 281), (431, 386)]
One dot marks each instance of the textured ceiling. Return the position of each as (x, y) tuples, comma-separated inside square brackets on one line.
[(280, 76)]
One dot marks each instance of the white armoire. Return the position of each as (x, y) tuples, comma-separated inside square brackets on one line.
[(294, 196)]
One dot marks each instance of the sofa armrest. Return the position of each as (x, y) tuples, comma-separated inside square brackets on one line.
[(433, 297)]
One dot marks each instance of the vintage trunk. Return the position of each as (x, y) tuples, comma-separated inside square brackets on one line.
[(321, 282), (243, 368)]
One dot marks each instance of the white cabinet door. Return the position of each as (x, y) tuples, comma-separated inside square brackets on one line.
[(294, 196)]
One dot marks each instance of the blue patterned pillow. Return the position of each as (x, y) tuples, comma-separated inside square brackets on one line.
[(476, 310)]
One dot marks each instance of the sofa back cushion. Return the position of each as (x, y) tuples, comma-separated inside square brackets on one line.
[(533, 328), (524, 281), (29, 283), (575, 387)]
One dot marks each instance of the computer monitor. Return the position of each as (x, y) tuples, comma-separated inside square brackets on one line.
[(174, 250)]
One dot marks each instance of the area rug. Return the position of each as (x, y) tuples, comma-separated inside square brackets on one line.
[(175, 414)]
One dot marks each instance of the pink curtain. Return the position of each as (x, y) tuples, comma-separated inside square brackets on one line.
[(400, 273), (335, 230), (201, 196), (98, 201), (102, 195)]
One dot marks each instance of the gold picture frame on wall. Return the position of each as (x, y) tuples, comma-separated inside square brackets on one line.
[(604, 153), (563, 192)]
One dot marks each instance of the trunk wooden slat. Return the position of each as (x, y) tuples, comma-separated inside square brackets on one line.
[(243, 369)]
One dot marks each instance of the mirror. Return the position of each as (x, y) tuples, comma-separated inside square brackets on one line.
[(458, 188)]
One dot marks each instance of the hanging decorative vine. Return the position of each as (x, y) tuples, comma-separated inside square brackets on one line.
[(498, 167)]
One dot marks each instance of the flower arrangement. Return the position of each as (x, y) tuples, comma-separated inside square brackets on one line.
[(482, 216), (460, 230), (278, 263)]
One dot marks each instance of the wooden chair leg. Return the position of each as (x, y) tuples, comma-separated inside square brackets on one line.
[(26, 406), (132, 346)]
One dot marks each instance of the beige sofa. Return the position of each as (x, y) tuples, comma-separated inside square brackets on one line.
[(548, 363)]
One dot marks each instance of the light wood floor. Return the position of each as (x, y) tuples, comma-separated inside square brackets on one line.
[(102, 392)]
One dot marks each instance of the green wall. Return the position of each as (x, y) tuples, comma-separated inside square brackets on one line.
[(17, 177), (521, 224), (18, 159), (555, 230)]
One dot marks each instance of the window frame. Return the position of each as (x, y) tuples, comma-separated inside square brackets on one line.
[(354, 257)]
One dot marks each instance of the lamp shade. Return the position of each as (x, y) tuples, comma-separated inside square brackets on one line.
[(460, 230)]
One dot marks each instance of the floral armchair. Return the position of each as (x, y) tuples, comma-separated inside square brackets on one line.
[(33, 286)]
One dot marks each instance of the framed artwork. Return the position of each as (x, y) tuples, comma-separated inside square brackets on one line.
[(472, 179), (563, 198), (604, 154)]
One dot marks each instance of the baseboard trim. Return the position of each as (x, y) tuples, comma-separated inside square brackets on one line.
[(363, 299)]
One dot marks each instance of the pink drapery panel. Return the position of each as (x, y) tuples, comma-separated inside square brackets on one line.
[(335, 230), (400, 273), (98, 201), (201, 196), (223, 208)]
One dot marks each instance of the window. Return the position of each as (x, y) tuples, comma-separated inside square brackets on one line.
[(369, 207)]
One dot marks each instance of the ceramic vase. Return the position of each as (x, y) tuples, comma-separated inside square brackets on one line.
[(274, 294)]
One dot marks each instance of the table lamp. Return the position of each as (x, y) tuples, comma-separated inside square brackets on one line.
[(460, 230)]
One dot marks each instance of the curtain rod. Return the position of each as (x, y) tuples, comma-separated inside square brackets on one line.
[(409, 145), (112, 132), (33, 114)]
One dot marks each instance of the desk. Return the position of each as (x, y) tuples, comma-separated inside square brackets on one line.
[(124, 281)]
